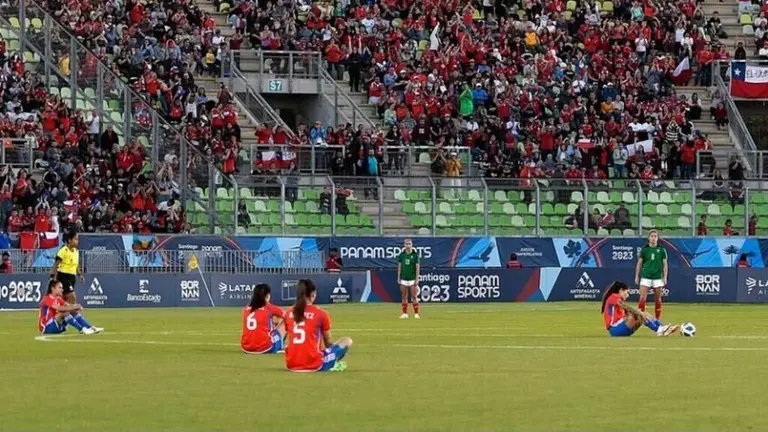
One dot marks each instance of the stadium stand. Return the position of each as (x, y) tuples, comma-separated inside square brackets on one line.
[(549, 93)]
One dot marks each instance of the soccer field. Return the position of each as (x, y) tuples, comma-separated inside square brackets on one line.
[(505, 366)]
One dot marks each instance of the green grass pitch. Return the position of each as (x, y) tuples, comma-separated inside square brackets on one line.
[(461, 367)]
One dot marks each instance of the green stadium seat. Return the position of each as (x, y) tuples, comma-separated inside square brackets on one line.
[(713, 209), (500, 196), (474, 195), (577, 197), (312, 207)]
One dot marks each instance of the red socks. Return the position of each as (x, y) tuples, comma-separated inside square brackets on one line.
[(416, 308), (405, 307), (658, 307), (641, 305)]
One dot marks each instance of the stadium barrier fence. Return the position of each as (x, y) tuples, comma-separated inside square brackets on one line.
[(105, 290)]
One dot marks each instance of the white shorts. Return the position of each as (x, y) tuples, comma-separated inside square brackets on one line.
[(652, 283), (408, 283)]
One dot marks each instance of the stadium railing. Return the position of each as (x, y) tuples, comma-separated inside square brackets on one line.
[(342, 104), (271, 65), (96, 87), (755, 162), (313, 159), (252, 100), (736, 126), (476, 206), (175, 261), (18, 152)]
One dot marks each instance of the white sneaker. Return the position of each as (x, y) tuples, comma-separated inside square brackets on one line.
[(667, 330), (404, 316), (416, 316), (87, 331), (97, 329)]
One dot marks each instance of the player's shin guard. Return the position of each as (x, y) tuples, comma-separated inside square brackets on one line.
[(641, 305), (416, 307), (404, 305), (658, 307), (81, 319), (71, 320)]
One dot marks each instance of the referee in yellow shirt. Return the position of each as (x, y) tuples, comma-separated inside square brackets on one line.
[(66, 267)]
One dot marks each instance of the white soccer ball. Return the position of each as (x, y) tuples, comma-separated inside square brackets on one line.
[(688, 329)]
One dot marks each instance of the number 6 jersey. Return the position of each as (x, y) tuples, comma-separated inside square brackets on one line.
[(303, 352)]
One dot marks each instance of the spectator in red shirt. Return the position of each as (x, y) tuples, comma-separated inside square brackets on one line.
[(701, 230), (728, 229), (334, 263), (42, 221), (743, 261), (513, 263), (752, 227)]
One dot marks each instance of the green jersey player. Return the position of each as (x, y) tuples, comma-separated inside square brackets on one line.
[(408, 277), (651, 271)]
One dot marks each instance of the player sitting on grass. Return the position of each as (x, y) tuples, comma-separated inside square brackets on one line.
[(308, 325), (263, 331), (623, 320), (56, 313)]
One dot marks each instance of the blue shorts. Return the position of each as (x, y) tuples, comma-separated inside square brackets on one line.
[(277, 343), (54, 327), (621, 329), (331, 356)]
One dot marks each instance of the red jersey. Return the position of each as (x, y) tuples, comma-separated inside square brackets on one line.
[(47, 312), (613, 313), (303, 352), (257, 328)]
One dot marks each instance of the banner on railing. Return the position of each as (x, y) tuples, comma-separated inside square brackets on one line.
[(752, 286), (705, 285), (24, 291), (460, 285), (714, 285), (436, 252)]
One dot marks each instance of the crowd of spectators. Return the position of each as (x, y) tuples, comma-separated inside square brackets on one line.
[(529, 86), (535, 88)]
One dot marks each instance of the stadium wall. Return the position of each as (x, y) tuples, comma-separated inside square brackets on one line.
[(703, 285)]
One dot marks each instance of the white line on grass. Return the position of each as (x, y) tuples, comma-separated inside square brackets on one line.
[(476, 311), (578, 347), (99, 339)]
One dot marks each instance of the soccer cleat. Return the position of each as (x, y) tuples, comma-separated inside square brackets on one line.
[(667, 330), (87, 331), (97, 329), (340, 366), (416, 316), (404, 316)]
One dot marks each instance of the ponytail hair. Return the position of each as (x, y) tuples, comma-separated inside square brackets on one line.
[(304, 291), (259, 298), (613, 288)]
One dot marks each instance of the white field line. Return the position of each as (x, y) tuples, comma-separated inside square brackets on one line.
[(100, 339)]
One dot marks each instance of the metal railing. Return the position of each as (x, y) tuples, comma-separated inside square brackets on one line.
[(277, 68), (340, 99), (18, 152), (174, 261), (309, 158), (738, 129), (456, 206), (253, 101), (753, 162), (89, 84)]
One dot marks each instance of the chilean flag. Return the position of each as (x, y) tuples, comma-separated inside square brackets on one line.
[(747, 81), (682, 73)]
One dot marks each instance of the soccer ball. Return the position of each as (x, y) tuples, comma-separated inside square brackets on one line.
[(688, 329)]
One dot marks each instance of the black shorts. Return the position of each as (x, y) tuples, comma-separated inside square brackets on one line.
[(67, 281)]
